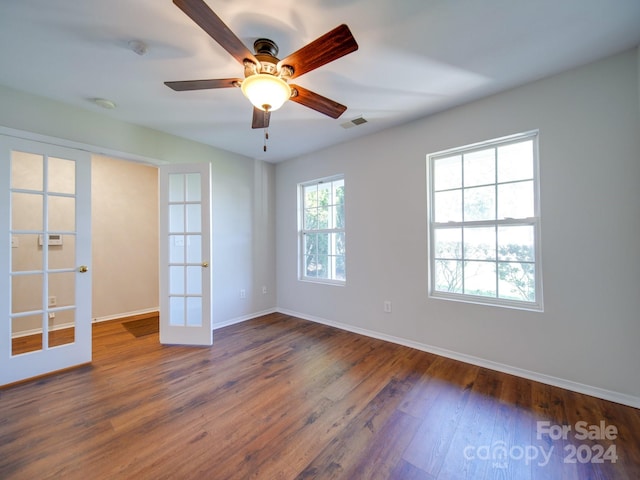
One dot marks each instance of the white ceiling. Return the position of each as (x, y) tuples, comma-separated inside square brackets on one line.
[(416, 57)]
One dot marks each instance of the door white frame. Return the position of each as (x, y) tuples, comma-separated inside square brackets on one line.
[(19, 367)]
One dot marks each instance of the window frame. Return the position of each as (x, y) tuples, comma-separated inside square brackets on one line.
[(533, 221), (302, 232)]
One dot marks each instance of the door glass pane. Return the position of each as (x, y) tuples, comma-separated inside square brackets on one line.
[(61, 328), (26, 293), (62, 213), (26, 334), (26, 253), (26, 211), (193, 218), (176, 218), (61, 175), (176, 280), (64, 255), (194, 248), (176, 248), (176, 187), (194, 311), (27, 171), (176, 311), (194, 280), (62, 286), (193, 187)]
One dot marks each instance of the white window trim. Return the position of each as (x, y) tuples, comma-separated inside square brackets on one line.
[(302, 232), (537, 305)]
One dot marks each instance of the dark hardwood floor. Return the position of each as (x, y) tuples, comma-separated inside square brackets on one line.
[(282, 398)]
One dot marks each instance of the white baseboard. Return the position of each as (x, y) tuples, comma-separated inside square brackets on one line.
[(604, 394), (115, 316), (243, 318)]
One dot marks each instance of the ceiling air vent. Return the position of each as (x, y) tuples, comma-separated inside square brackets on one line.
[(354, 123)]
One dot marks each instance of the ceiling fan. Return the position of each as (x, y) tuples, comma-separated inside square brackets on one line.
[(266, 78)]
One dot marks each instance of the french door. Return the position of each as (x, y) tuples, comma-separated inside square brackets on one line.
[(185, 252), (45, 255)]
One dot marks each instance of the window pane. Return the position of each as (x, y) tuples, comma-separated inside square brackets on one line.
[(310, 196), (480, 278), (517, 281), (339, 244), (340, 268), (448, 276), (515, 200), (515, 161), (479, 203), (448, 206), (323, 243), (479, 168), (516, 243), (310, 219), (447, 173), (448, 243), (311, 266), (322, 266), (480, 243), (323, 217)]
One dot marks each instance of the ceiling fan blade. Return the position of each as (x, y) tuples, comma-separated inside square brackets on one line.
[(317, 102), (200, 13), (329, 47), (184, 85), (260, 118)]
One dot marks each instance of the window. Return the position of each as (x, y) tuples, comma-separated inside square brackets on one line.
[(484, 225), (322, 240)]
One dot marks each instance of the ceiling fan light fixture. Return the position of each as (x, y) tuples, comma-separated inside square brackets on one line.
[(265, 91)]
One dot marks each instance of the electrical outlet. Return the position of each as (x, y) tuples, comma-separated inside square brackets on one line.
[(264, 289), (53, 301), (387, 306), (243, 293)]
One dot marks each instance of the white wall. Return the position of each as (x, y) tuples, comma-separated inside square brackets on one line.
[(124, 237), (243, 212), (587, 336)]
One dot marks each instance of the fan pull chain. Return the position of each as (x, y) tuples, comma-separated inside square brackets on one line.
[(266, 130)]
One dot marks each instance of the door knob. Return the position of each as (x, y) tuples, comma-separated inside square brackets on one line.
[(205, 264), (83, 269)]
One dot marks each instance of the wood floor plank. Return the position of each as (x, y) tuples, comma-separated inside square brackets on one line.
[(278, 397)]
